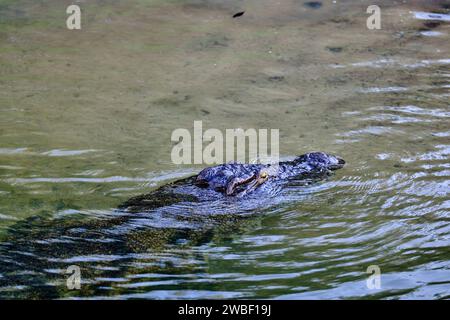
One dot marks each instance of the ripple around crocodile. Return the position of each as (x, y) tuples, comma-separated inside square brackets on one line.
[(152, 221)]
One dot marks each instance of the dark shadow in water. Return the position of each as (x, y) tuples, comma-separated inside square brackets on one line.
[(36, 252), (180, 215)]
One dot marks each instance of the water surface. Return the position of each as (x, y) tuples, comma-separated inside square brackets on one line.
[(86, 118)]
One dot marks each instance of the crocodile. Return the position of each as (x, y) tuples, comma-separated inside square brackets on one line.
[(238, 180), (183, 214)]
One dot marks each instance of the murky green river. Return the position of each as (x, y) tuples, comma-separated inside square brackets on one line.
[(86, 118)]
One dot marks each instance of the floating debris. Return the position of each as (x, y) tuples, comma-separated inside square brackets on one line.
[(313, 4), (239, 14)]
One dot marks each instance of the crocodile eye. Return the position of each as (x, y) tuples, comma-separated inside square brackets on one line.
[(263, 175)]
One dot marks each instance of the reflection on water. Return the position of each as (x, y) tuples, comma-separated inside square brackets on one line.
[(86, 119)]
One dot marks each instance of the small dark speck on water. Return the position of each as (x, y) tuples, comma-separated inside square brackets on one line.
[(239, 14), (335, 49), (313, 4), (276, 78)]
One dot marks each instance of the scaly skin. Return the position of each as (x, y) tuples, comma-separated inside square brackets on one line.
[(237, 180)]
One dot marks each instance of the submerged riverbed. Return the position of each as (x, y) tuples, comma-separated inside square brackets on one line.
[(86, 118)]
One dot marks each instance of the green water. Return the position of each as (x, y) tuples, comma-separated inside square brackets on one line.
[(86, 118)]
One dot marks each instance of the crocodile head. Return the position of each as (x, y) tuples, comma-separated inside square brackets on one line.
[(236, 179)]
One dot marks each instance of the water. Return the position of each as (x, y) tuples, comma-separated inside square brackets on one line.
[(86, 118)]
